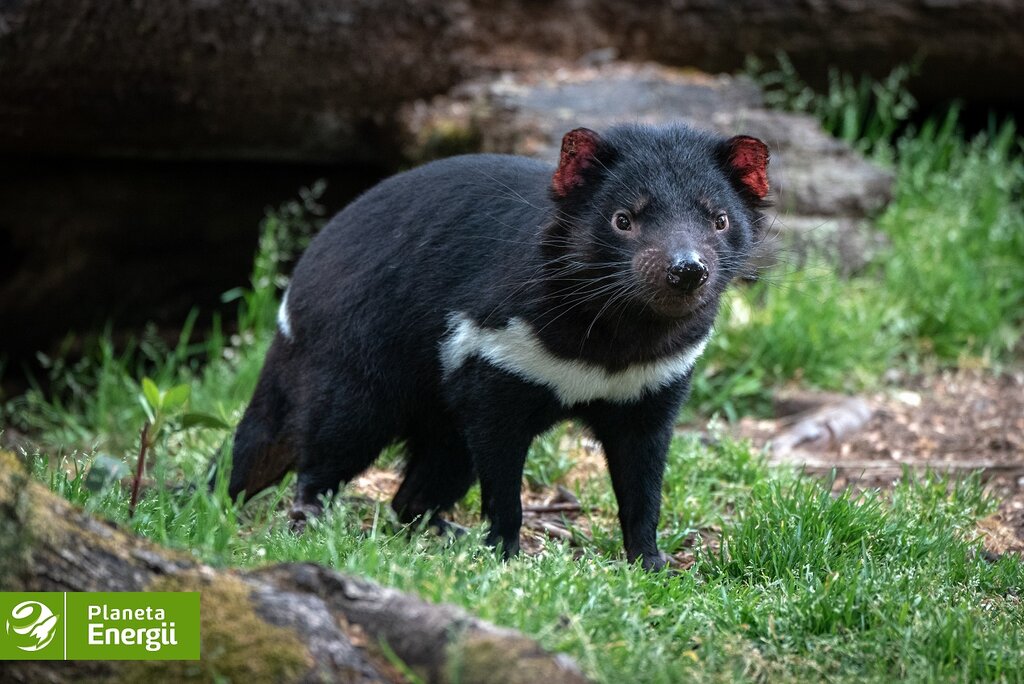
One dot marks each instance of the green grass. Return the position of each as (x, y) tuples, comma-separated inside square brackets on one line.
[(805, 585), (957, 230), (797, 584), (806, 326)]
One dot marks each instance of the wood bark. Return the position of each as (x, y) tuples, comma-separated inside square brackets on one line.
[(283, 623), (319, 79)]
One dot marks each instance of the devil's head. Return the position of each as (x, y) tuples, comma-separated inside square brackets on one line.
[(660, 219)]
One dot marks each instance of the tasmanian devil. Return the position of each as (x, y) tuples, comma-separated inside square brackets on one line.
[(467, 305)]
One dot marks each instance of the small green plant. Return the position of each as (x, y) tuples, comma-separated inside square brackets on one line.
[(162, 408)]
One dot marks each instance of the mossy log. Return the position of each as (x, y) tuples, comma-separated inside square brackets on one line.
[(319, 79), (282, 623)]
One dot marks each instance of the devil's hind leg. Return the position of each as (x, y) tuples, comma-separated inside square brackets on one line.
[(438, 473), (344, 433)]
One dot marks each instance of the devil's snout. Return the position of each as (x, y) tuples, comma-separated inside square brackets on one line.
[(687, 272)]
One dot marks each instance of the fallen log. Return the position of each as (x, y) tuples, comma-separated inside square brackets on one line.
[(283, 623), (319, 79)]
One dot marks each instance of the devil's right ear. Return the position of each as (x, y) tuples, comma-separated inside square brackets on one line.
[(579, 151)]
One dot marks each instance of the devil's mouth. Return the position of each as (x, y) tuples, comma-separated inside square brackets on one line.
[(678, 307)]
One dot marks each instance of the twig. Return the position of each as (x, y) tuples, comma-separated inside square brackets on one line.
[(550, 529), (140, 467), (553, 508), (820, 464), (824, 425)]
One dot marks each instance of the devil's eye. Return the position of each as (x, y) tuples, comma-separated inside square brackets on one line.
[(621, 221), (721, 221)]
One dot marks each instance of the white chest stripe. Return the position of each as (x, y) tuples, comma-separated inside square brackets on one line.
[(516, 349), (282, 317)]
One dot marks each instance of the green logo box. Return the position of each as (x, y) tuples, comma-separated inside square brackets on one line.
[(31, 625), (99, 626)]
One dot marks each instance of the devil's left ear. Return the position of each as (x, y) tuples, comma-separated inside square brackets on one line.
[(748, 159), (579, 150)]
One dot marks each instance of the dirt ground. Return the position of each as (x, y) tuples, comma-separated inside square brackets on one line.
[(954, 422)]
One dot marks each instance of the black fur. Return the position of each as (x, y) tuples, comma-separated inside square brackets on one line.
[(487, 236)]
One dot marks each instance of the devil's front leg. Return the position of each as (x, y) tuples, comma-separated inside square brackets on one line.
[(500, 415), (636, 438), (499, 460)]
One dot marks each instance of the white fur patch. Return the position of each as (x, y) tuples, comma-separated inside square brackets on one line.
[(283, 321), (517, 349)]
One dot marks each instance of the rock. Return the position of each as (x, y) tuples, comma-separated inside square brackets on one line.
[(845, 243)]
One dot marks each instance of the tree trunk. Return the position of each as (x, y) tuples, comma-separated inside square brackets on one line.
[(283, 623), (319, 79), (240, 79)]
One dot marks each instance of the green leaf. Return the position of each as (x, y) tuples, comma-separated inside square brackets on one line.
[(205, 420), (176, 397), (144, 402), (151, 392)]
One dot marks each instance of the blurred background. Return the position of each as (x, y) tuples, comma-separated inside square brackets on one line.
[(145, 148)]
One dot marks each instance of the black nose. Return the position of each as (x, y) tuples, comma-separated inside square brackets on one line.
[(687, 273)]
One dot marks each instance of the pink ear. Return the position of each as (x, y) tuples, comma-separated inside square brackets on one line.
[(749, 159), (579, 150)]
